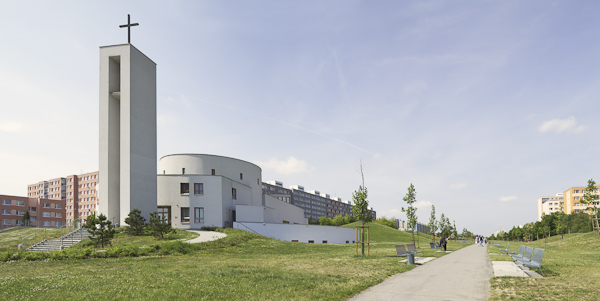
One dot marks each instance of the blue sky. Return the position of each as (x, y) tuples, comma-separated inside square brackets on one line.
[(483, 105)]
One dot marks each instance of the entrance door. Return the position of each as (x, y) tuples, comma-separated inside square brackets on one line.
[(164, 211)]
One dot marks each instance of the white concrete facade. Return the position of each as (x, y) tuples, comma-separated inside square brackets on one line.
[(206, 190), (127, 132), (301, 233), (549, 204)]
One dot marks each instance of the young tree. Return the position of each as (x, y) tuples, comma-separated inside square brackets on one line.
[(360, 206), (26, 218), (454, 231), (158, 226), (411, 211), (590, 197), (100, 228), (433, 225), (444, 226), (136, 222)]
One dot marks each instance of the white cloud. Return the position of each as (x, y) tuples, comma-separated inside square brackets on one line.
[(291, 166), (568, 124), (508, 198), (10, 126), (458, 185), (422, 204)]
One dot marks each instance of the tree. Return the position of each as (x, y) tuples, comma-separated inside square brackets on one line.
[(444, 226), (590, 197), (136, 222), (432, 226), (360, 207), (411, 211), (100, 228), (159, 226), (324, 221), (26, 218), (454, 231), (338, 220)]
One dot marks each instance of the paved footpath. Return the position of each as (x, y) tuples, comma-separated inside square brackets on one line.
[(461, 275)]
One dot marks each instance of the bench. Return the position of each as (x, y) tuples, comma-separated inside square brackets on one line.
[(507, 245), (401, 251), (497, 244), (435, 245), (411, 248), (526, 256), (536, 260), (518, 255)]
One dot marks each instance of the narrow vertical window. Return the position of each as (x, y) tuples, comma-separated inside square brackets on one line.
[(212, 172), (233, 194), (199, 215), (185, 214), (241, 176), (183, 171), (198, 188)]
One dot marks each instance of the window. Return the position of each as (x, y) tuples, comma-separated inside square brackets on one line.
[(185, 214), (233, 194), (198, 188), (199, 215), (58, 224), (58, 214), (7, 222), (32, 209), (33, 219), (577, 210), (20, 212), (19, 222), (241, 176), (5, 212), (58, 206), (20, 203), (46, 205), (46, 223), (5, 202), (576, 191), (212, 172), (576, 204), (46, 214), (183, 171), (185, 188), (577, 198)]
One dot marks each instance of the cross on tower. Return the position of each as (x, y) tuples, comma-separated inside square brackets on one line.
[(128, 25)]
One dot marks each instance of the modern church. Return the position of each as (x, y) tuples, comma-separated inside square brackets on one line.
[(191, 190)]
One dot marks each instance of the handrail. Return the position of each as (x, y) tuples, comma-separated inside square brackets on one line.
[(34, 237), (248, 228)]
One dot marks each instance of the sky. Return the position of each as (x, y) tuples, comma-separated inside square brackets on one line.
[(484, 106)]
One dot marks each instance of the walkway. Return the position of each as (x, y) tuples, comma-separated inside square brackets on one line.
[(205, 236), (461, 275)]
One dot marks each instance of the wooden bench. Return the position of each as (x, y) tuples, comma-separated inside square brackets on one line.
[(536, 260)]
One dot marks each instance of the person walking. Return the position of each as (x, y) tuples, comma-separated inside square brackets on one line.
[(477, 240), (443, 243)]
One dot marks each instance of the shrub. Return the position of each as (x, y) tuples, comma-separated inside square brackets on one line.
[(136, 222), (387, 222), (208, 228)]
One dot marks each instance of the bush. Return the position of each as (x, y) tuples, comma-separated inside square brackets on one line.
[(208, 228), (387, 222)]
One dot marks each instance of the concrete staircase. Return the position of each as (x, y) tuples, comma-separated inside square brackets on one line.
[(61, 243)]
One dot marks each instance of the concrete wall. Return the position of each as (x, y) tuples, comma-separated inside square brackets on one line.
[(280, 212), (300, 233)]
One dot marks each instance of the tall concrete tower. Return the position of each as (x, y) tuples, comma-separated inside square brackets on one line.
[(127, 132)]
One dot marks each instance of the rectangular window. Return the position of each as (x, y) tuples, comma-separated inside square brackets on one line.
[(233, 194), (576, 191), (6, 202), (58, 214), (183, 171), (199, 215), (20, 212), (5, 212), (20, 203), (46, 205), (212, 172), (58, 224), (58, 206), (7, 222), (46, 223), (185, 188), (19, 222), (185, 214), (198, 188), (241, 176), (46, 214)]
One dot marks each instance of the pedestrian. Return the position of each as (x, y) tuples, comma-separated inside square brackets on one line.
[(443, 243), (485, 241), (477, 240)]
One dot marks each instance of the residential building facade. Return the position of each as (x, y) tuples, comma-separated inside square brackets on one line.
[(573, 197), (78, 192), (43, 212), (549, 204)]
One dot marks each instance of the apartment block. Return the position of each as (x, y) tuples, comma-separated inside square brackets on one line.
[(79, 193), (43, 212), (573, 197), (549, 204), (314, 203)]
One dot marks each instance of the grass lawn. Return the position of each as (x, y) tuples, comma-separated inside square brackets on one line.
[(257, 268), (571, 266)]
